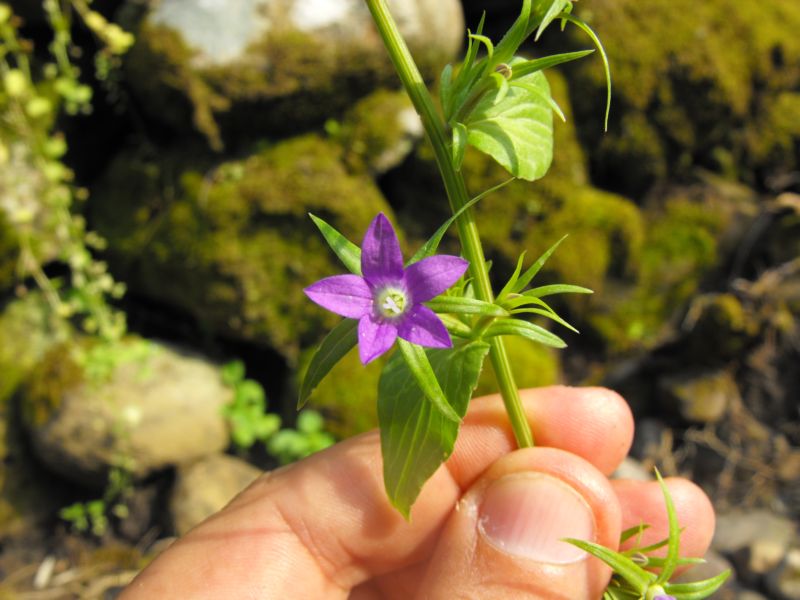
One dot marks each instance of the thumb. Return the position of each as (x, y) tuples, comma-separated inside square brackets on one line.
[(505, 538)]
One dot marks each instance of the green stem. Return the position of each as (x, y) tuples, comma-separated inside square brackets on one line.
[(458, 197)]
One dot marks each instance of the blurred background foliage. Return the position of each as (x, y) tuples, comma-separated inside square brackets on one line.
[(157, 164)]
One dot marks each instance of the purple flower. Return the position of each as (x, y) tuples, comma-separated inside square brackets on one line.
[(387, 300), (664, 597)]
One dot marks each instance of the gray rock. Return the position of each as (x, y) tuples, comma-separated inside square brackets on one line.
[(631, 468), (204, 487), (758, 539), (158, 406), (784, 581), (238, 68), (702, 397)]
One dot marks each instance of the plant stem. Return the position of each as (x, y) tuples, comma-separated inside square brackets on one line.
[(458, 196)]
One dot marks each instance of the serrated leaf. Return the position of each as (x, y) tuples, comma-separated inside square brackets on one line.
[(526, 330), (623, 566), (415, 437), (420, 368), (347, 251), (459, 145), (516, 131), (534, 269), (336, 344), (557, 288), (465, 306)]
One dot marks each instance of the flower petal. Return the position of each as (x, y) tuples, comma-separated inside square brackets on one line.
[(431, 276), (374, 337), (381, 258), (346, 295), (421, 326)]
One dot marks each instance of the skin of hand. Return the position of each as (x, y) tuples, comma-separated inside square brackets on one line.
[(488, 525)]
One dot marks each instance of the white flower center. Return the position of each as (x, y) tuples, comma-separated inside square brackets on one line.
[(391, 302)]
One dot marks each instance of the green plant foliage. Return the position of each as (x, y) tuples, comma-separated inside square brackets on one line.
[(246, 413), (289, 445), (416, 438)]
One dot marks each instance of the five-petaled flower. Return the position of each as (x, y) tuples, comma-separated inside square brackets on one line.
[(387, 299)]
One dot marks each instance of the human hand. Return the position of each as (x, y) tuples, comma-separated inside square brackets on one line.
[(488, 525)]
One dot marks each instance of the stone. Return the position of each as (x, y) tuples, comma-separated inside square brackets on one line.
[(206, 486), (702, 397), (231, 243), (630, 468), (139, 405), (232, 69), (784, 581), (757, 540)]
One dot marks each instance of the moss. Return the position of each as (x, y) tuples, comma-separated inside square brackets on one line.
[(775, 139), (289, 81), (722, 329), (373, 134), (693, 81), (9, 254), (680, 247), (44, 391), (534, 365), (234, 246), (349, 409)]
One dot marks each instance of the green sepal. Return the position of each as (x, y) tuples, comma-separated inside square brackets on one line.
[(336, 344), (524, 329), (534, 269), (556, 9), (465, 306), (623, 566), (539, 64), (347, 251), (420, 367), (416, 438), (674, 537)]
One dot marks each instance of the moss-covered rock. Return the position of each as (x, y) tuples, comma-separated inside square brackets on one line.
[(379, 131), (276, 67), (9, 253), (689, 90), (26, 334), (534, 365), (233, 246)]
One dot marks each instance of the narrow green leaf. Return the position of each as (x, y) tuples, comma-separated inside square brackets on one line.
[(674, 544), (658, 562), (455, 326), (420, 367), (526, 330), (347, 251), (512, 281), (639, 579), (558, 288), (556, 8), (539, 64), (416, 438), (336, 344), (544, 313), (534, 269), (430, 247), (446, 88), (465, 306), (515, 301), (459, 145), (512, 40), (486, 42), (516, 131), (697, 590), (606, 67), (633, 531)]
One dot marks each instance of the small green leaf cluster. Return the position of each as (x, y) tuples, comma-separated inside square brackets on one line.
[(246, 413), (423, 394), (250, 422), (31, 150), (501, 103), (633, 581), (93, 516)]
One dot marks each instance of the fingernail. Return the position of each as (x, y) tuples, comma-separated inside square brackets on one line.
[(529, 514)]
